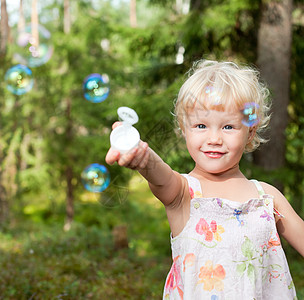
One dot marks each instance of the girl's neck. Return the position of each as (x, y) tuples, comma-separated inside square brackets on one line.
[(233, 173)]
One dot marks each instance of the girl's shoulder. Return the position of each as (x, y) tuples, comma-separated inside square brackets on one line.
[(271, 190), (281, 205)]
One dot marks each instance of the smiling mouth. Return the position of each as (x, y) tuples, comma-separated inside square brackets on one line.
[(214, 154)]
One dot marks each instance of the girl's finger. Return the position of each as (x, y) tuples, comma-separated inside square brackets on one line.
[(125, 159), (116, 124), (112, 156), (142, 149)]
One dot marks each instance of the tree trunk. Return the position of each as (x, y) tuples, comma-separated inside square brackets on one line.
[(182, 6), (274, 51), (69, 199), (133, 19), (196, 5), (66, 17), (4, 208), (21, 20), (4, 29), (69, 136), (34, 25), (69, 171)]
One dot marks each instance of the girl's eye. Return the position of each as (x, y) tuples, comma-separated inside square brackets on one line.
[(201, 126), (228, 127)]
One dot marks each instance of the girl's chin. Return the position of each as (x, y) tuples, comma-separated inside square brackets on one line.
[(217, 171)]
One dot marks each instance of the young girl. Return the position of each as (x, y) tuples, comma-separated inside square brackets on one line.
[(224, 227)]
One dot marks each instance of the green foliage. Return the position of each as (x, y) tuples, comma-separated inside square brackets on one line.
[(80, 264), (40, 137), (294, 132), (38, 259)]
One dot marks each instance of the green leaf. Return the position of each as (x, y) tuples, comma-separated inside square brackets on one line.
[(251, 273), (241, 268), (247, 248)]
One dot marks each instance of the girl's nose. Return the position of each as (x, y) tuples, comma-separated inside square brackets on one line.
[(215, 138)]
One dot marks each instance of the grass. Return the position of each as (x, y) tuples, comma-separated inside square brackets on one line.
[(38, 260), (80, 264)]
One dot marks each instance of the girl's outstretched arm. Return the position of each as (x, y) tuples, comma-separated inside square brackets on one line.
[(291, 226), (166, 184)]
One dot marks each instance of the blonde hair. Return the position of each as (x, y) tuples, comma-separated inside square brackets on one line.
[(224, 86)]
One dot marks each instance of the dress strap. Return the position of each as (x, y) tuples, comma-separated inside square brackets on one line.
[(194, 184), (262, 193), (259, 187)]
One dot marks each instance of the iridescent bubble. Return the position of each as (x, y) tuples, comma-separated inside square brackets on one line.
[(250, 117), (19, 79), (95, 178), (212, 95), (96, 87), (34, 47)]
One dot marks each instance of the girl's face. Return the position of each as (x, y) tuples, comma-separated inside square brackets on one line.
[(216, 139)]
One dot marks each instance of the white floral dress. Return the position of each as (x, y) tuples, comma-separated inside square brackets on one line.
[(229, 251)]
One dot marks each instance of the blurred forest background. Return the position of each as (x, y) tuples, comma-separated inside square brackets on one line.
[(60, 241)]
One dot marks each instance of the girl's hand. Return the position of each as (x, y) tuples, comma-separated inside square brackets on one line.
[(135, 159), (167, 185)]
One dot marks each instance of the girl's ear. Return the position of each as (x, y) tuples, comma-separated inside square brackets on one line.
[(251, 134)]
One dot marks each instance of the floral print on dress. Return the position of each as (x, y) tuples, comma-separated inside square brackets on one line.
[(247, 265), (174, 279), (271, 244), (237, 213), (191, 192), (266, 215), (219, 202), (230, 249), (210, 231), (212, 277), (276, 212), (188, 261), (252, 254), (196, 194)]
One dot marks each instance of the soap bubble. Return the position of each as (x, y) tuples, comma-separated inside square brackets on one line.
[(96, 87), (212, 95), (34, 47), (95, 178), (249, 112), (19, 79)]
